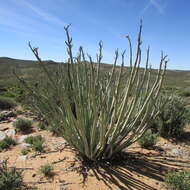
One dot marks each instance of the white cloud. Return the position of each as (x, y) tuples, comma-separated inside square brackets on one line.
[(156, 4), (43, 14)]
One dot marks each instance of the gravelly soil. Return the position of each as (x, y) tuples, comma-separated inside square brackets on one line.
[(141, 169)]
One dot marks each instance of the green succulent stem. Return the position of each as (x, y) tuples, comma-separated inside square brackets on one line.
[(99, 112)]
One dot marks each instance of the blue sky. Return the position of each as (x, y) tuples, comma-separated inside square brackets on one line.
[(166, 26)]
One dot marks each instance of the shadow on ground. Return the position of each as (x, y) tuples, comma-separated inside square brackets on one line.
[(128, 171), (185, 138)]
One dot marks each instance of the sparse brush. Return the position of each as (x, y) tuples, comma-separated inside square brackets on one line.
[(172, 118), (36, 142), (38, 146), (33, 139), (178, 180), (47, 170), (97, 111), (10, 179), (6, 143), (6, 103), (25, 151), (185, 92), (22, 125), (42, 125), (33, 188), (19, 112), (148, 140)]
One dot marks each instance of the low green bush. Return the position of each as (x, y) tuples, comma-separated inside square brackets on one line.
[(148, 140), (19, 112), (36, 142), (187, 115), (185, 92), (46, 170), (22, 125), (16, 92), (41, 125), (6, 103), (38, 146), (25, 151), (33, 188), (178, 180), (6, 143), (172, 118), (10, 179)]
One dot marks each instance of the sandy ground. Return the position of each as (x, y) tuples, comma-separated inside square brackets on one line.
[(141, 169)]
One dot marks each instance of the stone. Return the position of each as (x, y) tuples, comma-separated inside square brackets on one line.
[(3, 128), (23, 157), (21, 139), (6, 114), (24, 145), (10, 133), (2, 135)]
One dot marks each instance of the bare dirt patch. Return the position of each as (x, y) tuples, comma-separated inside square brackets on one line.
[(137, 169)]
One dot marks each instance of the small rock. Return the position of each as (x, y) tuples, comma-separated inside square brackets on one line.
[(10, 133), (21, 138), (24, 145), (175, 151), (2, 135), (6, 114), (33, 175), (3, 128), (23, 157)]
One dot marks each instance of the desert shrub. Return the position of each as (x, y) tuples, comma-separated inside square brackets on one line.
[(187, 115), (90, 106), (1, 116), (22, 125), (42, 125), (185, 92), (33, 188), (178, 180), (19, 112), (46, 170), (16, 92), (25, 151), (10, 179), (6, 143), (6, 103), (33, 139), (148, 140), (38, 146), (36, 142), (172, 118)]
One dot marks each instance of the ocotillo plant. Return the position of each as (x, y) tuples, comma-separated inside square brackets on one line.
[(98, 113)]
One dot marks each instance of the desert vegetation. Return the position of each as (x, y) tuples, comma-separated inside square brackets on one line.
[(36, 142), (47, 170), (22, 125), (6, 103), (148, 140), (120, 124), (94, 111), (10, 179), (178, 180), (6, 143)]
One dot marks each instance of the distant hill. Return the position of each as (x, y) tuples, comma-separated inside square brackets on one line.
[(8, 64), (174, 78)]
